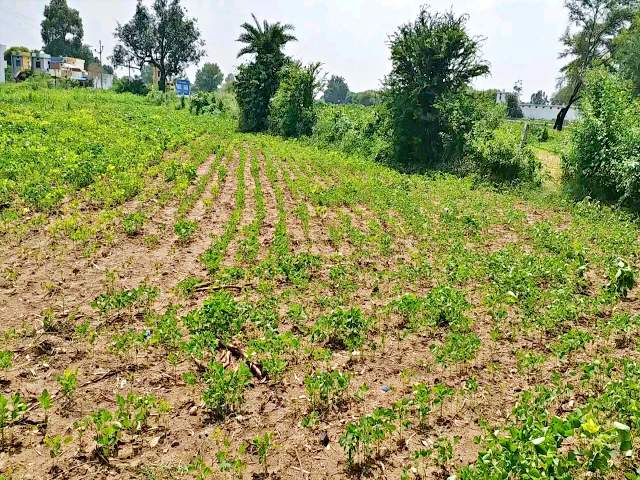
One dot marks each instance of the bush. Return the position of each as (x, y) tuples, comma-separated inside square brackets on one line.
[(207, 103), (498, 157), (473, 142), (354, 129), (126, 85), (156, 97), (292, 111), (433, 59), (604, 159), (255, 85)]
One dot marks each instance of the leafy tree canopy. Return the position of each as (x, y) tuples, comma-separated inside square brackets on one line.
[(337, 91), (62, 32), (431, 58), (162, 36), (208, 78), (590, 43), (627, 54), (258, 81), (539, 98)]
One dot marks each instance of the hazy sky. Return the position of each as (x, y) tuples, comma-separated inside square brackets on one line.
[(348, 36)]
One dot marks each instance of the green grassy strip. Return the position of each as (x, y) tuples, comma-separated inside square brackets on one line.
[(250, 246), (214, 255)]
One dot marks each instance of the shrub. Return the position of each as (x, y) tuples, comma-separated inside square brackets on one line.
[(432, 58), (207, 103), (127, 85), (256, 84), (354, 129), (604, 159), (292, 112), (498, 157)]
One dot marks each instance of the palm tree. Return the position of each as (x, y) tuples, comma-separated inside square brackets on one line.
[(265, 39)]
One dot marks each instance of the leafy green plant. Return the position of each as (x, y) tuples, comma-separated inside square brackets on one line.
[(12, 408), (6, 359), (46, 402), (457, 348), (56, 444), (133, 223), (326, 388), (622, 278), (571, 341), (139, 296), (68, 382), (342, 329), (263, 445), (184, 229), (225, 388), (219, 319), (363, 436), (107, 431)]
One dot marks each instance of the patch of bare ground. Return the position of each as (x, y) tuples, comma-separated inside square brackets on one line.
[(268, 227), (234, 253), (318, 235), (70, 283)]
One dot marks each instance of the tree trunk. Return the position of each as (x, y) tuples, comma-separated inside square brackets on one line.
[(562, 114), (162, 82)]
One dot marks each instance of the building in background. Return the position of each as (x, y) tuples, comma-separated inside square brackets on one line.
[(532, 111), (3, 64), (68, 68), (40, 62), (20, 65)]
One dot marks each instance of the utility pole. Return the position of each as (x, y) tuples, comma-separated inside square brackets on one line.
[(100, 50)]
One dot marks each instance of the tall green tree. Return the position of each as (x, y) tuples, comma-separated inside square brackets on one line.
[(163, 36), (432, 58), (208, 78), (540, 98), (513, 106), (596, 23), (627, 54), (62, 32), (337, 91), (292, 111), (258, 81)]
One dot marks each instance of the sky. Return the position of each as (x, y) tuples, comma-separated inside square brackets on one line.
[(349, 37)]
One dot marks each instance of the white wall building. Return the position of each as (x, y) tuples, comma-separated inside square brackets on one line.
[(531, 111), (3, 64)]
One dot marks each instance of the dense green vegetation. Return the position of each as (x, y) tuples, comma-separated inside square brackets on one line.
[(55, 143)]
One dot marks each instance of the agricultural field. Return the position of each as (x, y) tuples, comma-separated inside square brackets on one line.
[(179, 300)]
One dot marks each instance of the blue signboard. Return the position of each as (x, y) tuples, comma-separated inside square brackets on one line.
[(183, 88)]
